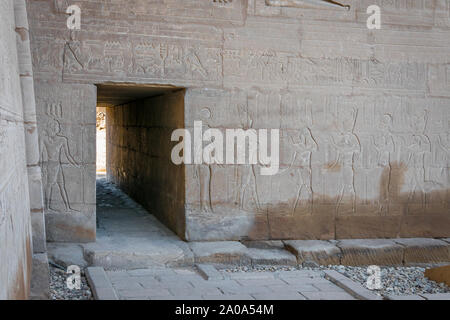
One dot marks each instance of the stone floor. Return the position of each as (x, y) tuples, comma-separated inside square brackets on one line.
[(128, 238), (187, 284)]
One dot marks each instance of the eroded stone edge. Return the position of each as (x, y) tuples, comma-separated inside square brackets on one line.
[(101, 287)]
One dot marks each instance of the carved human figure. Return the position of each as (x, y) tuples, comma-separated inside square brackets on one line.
[(420, 146), (347, 145), (54, 146), (302, 3), (304, 147), (385, 146), (248, 184), (202, 172)]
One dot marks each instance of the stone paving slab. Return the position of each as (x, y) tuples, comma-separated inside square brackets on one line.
[(327, 296), (438, 296), (408, 297), (160, 283), (100, 284), (208, 272), (350, 286)]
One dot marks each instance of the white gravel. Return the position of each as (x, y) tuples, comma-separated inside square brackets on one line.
[(394, 280), (60, 291)]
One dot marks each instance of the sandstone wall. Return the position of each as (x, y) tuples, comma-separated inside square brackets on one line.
[(371, 106), (66, 116), (139, 157), (16, 246)]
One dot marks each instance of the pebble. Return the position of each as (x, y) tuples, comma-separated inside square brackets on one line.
[(60, 291), (394, 280)]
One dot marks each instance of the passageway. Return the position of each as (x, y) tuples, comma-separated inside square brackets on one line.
[(134, 128), (128, 236)]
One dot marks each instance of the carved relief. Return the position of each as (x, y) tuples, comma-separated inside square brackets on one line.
[(348, 146), (385, 147), (304, 146), (54, 146), (203, 172), (248, 195)]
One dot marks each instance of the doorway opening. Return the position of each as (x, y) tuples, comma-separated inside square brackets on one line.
[(134, 128)]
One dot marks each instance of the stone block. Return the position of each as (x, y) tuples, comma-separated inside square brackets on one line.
[(424, 250), (66, 254), (100, 284), (439, 275), (222, 252), (321, 252), (350, 286), (208, 272), (363, 252), (271, 257), (268, 244), (40, 278)]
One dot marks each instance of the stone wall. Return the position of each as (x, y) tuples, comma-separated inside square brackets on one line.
[(363, 113), (66, 116), (139, 157), (16, 245)]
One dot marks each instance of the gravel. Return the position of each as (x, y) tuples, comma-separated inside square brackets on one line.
[(60, 291), (394, 280)]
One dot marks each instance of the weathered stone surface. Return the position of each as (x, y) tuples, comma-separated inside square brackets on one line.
[(437, 296), (439, 275), (269, 244), (208, 272), (370, 252), (66, 254), (271, 257), (419, 250), (66, 125), (406, 297), (350, 286), (40, 278), (222, 252), (321, 252), (101, 286), (360, 117), (16, 246)]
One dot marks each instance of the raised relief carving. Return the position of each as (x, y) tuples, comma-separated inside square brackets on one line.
[(53, 147), (385, 147), (248, 195), (348, 146), (304, 146), (203, 171), (418, 148)]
